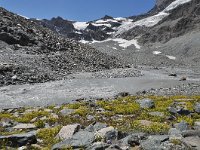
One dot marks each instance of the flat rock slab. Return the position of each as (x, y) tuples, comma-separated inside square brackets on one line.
[(19, 140), (81, 139), (68, 131), (25, 126)]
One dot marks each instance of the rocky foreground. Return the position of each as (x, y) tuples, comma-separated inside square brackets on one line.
[(124, 123)]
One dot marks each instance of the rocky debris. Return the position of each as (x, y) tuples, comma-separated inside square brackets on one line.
[(184, 89), (146, 103), (34, 54), (116, 127)]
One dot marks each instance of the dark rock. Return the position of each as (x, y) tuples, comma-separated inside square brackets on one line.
[(81, 139), (19, 140)]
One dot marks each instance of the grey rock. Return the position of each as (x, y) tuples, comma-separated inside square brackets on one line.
[(25, 126), (133, 139), (188, 133), (68, 131), (197, 107), (6, 122), (98, 146), (175, 134), (154, 142), (19, 140), (182, 126), (146, 103), (81, 139), (108, 133), (96, 127), (159, 114), (66, 112), (193, 142)]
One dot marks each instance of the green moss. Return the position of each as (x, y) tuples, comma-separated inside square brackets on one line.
[(147, 116), (40, 124), (176, 141), (6, 115), (26, 118), (154, 127), (82, 111), (187, 119), (48, 136)]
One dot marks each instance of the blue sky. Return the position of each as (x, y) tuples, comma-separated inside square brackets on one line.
[(80, 10)]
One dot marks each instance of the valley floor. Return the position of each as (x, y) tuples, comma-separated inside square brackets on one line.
[(105, 84)]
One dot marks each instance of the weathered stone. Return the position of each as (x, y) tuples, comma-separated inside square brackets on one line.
[(6, 122), (133, 139), (146, 103), (154, 142), (19, 140), (68, 131), (175, 134), (108, 133), (192, 141), (66, 111), (96, 127), (197, 107), (159, 114), (98, 146), (81, 139), (25, 126), (182, 126)]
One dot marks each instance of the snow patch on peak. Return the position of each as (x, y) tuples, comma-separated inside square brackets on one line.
[(171, 57), (156, 52), (152, 20), (80, 25)]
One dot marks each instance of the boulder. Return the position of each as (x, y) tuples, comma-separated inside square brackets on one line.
[(108, 133), (66, 111), (193, 142), (25, 126), (146, 103), (98, 146), (81, 139), (68, 131), (182, 126), (19, 140), (154, 142), (197, 107)]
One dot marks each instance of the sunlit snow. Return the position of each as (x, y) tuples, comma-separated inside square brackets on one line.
[(171, 57), (156, 52), (150, 21), (80, 25)]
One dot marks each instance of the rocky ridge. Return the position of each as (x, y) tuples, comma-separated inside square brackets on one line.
[(30, 53)]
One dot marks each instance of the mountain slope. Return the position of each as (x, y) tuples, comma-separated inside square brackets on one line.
[(30, 53)]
